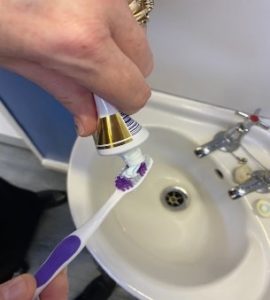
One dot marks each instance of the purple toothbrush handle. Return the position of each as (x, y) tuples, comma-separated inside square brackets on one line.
[(61, 254)]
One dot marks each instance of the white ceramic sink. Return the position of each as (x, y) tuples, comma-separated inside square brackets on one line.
[(214, 248)]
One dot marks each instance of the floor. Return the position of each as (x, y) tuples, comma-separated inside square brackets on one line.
[(22, 168)]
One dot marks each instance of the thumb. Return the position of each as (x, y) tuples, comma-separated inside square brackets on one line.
[(19, 288)]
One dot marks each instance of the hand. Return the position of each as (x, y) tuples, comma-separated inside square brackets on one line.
[(23, 288), (76, 48)]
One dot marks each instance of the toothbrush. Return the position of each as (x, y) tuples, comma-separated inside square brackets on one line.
[(72, 245)]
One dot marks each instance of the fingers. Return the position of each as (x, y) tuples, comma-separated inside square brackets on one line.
[(130, 36), (19, 288), (114, 77), (106, 57), (77, 99), (100, 49), (57, 289), (23, 288)]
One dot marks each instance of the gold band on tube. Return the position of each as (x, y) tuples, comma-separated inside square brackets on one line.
[(111, 132)]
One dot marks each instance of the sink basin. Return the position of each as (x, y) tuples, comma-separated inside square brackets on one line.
[(178, 236)]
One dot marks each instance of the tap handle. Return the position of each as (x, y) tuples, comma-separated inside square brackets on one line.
[(254, 118)]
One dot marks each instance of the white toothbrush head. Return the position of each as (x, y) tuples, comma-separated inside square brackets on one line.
[(126, 184)]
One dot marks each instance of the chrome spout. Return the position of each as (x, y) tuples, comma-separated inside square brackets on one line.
[(259, 182), (227, 141), (230, 140)]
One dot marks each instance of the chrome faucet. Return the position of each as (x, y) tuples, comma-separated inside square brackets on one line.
[(259, 182), (230, 139)]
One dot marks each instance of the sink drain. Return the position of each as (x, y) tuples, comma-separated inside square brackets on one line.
[(175, 198)]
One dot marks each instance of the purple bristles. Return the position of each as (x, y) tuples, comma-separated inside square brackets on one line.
[(123, 183), (142, 169)]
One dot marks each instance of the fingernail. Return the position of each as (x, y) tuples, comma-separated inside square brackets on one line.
[(78, 126), (14, 289)]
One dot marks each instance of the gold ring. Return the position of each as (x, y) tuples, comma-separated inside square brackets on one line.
[(141, 9)]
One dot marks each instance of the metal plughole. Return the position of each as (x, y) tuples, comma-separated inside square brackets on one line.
[(175, 198)]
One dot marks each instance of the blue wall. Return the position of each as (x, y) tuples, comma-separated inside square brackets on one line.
[(49, 126)]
